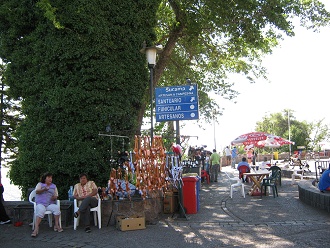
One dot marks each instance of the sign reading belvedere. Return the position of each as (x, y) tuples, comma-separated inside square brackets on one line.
[(175, 103)]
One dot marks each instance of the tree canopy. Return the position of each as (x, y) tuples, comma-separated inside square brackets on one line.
[(76, 67), (302, 133), (208, 40)]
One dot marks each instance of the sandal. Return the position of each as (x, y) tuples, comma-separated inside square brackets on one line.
[(34, 233), (58, 229)]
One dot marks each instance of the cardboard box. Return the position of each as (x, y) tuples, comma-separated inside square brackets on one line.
[(130, 223)]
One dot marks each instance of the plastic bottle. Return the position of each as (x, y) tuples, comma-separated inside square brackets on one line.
[(70, 193)]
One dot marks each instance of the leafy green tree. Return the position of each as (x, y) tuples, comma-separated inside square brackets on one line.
[(10, 117), (301, 132), (76, 66), (208, 40)]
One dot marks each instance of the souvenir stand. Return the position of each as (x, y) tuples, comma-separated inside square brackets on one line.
[(150, 173)]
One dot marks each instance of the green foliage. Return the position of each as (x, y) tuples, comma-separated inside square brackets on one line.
[(301, 132), (209, 40), (77, 67), (10, 118)]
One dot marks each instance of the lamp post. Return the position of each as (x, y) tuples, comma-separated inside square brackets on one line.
[(289, 133), (151, 53), (214, 113)]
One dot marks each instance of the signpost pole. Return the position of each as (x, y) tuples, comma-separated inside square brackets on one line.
[(177, 128)]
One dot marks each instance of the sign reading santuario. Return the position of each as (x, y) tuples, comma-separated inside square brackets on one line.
[(176, 103)]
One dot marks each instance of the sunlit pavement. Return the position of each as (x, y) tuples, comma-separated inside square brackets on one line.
[(283, 221)]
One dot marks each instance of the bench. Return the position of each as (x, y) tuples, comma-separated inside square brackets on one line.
[(312, 196)]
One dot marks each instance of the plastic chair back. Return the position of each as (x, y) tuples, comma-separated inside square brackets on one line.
[(277, 171)]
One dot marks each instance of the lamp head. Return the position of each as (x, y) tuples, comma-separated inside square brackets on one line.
[(151, 53)]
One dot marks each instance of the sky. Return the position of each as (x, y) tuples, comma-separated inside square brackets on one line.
[(298, 71)]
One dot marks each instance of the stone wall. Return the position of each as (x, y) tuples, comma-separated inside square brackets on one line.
[(312, 196), (151, 209)]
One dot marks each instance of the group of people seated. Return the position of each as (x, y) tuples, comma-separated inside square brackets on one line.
[(86, 193)]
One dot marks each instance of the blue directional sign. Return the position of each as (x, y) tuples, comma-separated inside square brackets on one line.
[(175, 103)]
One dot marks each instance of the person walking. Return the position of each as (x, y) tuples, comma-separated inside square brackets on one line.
[(214, 166), (233, 157), (228, 155)]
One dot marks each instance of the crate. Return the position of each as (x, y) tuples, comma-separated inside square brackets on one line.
[(130, 223), (170, 202)]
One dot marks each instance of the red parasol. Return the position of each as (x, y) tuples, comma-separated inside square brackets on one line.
[(260, 139)]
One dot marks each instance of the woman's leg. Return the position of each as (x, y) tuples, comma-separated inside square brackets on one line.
[(40, 213), (55, 209)]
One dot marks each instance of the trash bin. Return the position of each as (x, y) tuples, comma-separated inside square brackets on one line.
[(189, 191), (275, 155)]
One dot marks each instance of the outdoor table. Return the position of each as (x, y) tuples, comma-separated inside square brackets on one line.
[(256, 178)]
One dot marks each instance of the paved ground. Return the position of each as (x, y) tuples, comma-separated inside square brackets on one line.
[(221, 222)]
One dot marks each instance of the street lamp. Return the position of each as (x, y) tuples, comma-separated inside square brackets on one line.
[(289, 133), (214, 113), (151, 53)]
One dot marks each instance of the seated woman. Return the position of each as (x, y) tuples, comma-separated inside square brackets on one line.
[(324, 183), (46, 196)]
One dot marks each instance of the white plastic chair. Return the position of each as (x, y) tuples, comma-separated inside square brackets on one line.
[(49, 213), (299, 173), (96, 210), (233, 185)]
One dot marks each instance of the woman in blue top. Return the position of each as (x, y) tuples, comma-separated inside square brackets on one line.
[(46, 196)]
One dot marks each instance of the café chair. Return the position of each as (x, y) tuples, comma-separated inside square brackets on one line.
[(233, 185), (270, 182), (49, 213), (96, 212), (243, 169), (275, 169), (299, 173)]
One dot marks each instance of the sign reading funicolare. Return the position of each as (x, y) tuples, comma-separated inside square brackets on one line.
[(175, 103)]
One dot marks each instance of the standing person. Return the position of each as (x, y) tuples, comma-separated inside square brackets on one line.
[(254, 157), (86, 194), (4, 219), (46, 196), (250, 155), (207, 162), (214, 166), (228, 155), (233, 157)]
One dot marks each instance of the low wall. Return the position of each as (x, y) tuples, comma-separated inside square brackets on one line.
[(150, 208), (312, 196)]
